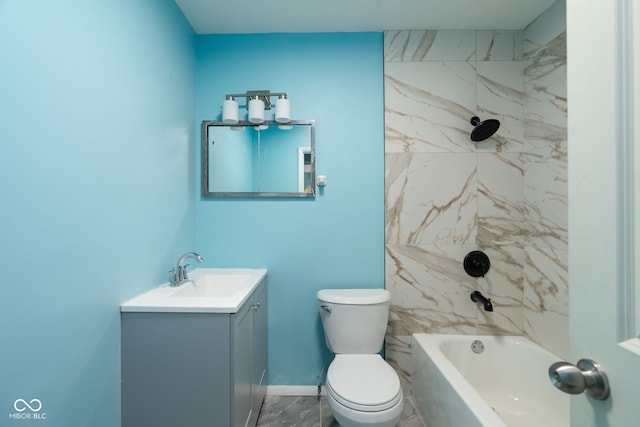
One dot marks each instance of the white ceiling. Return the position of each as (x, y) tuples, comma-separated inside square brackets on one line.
[(305, 16)]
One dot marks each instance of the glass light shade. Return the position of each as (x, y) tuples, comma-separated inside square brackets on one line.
[(230, 111), (256, 111), (283, 110)]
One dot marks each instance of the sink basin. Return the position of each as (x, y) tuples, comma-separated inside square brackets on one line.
[(212, 286), (209, 290)]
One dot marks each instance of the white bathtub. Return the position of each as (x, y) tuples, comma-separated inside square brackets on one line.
[(505, 385)]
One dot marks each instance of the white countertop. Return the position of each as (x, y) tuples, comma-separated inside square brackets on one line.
[(209, 290)]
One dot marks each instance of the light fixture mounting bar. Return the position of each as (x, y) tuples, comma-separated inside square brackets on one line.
[(264, 95)]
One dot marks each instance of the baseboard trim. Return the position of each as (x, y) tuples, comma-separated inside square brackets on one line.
[(293, 390)]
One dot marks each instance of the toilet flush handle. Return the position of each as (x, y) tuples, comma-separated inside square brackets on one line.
[(326, 308)]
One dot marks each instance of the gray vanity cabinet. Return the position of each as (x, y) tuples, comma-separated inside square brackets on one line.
[(195, 369), (250, 367)]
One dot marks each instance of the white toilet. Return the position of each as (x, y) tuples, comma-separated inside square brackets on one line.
[(362, 389)]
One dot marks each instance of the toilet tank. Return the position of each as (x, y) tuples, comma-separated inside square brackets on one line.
[(354, 320)]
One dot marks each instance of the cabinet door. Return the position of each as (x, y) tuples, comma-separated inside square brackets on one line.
[(175, 370), (259, 338), (242, 366)]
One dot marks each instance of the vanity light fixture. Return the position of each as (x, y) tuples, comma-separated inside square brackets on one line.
[(257, 102), (230, 111), (256, 110), (283, 109)]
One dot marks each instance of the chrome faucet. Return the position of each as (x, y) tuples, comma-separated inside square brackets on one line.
[(476, 296), (179, 273)]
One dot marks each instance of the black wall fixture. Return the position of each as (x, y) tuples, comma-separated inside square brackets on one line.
[(476, 264)]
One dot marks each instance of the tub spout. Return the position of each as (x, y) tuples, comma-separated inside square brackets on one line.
[(476, 296)]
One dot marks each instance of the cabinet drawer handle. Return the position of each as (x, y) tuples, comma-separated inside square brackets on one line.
[(255, 306)]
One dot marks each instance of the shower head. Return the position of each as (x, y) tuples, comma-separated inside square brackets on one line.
[(483, 130)]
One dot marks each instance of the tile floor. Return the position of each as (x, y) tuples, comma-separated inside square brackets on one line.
[(306, 411)]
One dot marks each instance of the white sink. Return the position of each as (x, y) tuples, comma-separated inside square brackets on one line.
[(222, 285), (209, 290)]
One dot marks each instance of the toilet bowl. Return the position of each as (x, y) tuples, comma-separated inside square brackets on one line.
[(363, 390)]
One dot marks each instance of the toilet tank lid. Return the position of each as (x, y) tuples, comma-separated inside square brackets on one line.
[(354, 296)]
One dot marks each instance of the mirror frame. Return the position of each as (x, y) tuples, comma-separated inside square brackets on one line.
[(204, 165)]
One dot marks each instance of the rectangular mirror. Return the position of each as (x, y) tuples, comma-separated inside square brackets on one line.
[(258, 160)]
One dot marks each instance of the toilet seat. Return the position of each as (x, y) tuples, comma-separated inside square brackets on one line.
[(363, 382)]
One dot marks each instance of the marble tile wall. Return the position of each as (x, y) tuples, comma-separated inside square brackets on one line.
[(546, 284), (446, 196)]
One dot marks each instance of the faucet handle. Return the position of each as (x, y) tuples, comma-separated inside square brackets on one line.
[(173, 275), (182, 272)]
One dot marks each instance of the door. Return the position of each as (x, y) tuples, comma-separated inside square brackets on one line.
[(603, 270), (259, 351), (242, 366)]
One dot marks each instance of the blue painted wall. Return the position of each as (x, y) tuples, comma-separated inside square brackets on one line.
[(97, 152), (100, 187), (333, 241)]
